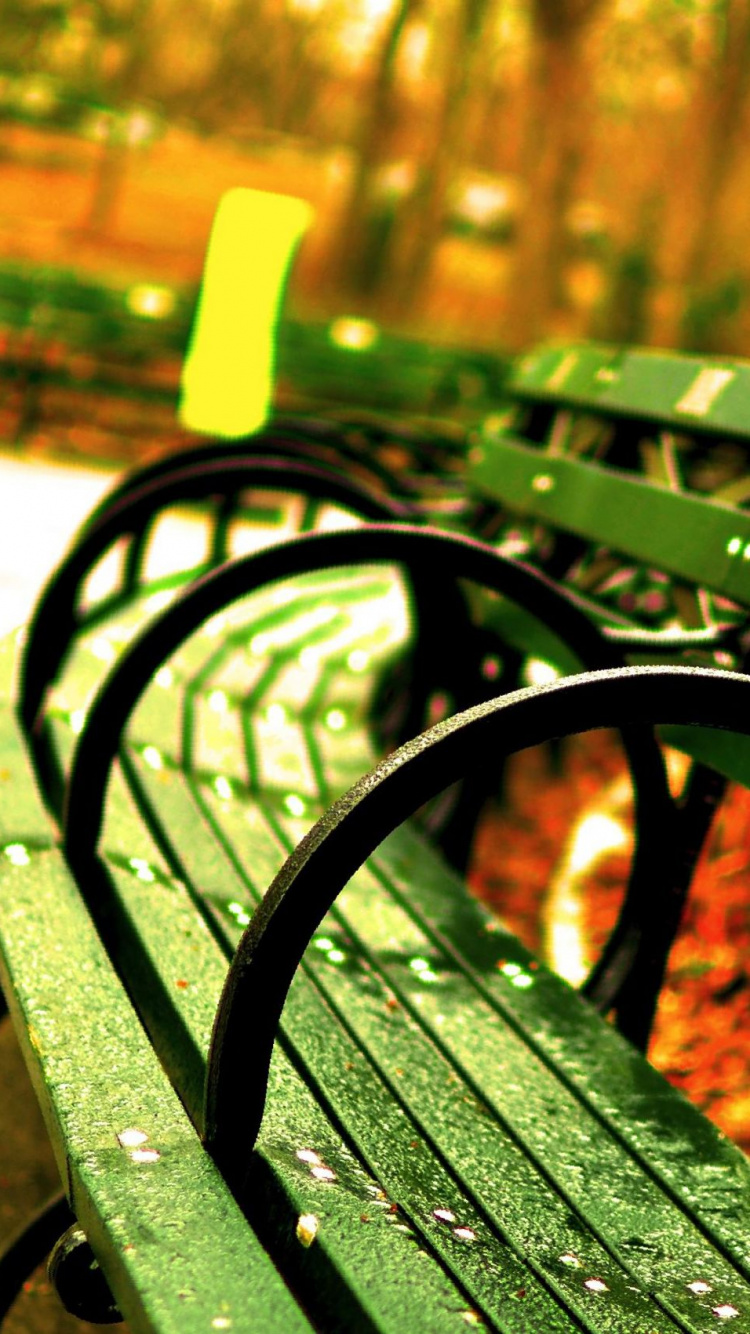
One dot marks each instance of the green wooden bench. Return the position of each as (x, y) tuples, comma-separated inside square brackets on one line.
[(622, 473), (451, 1135), (626, 472), (65, 339), (452, 661)]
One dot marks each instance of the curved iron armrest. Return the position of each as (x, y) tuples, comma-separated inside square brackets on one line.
[(30, 1246), (650, 908), (130, 511), (434, 459), (311, 879), (431, 470), (303, 439)]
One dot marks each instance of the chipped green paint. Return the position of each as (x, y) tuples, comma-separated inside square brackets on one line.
[(669, 388)]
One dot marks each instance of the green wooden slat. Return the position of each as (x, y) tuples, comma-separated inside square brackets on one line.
[(345, 750), (441, 1086), (383, 1266), (252, 853), (698, 1164), (233, 666), (686, 535), (670, 389), (391, 1255), (365, 1107), (684, 392), (407, 1060), (586, 1162), (500, 1194), (148, 893), (569, 374), (173, 1244), (217, 738), (134, 881), (274, 849)]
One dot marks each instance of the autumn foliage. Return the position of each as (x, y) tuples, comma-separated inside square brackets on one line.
[(491, 170), (702, 1027)]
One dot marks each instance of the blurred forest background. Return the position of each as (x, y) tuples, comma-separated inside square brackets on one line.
[(484, 172)]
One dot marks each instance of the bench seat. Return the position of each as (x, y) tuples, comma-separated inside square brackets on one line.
[(181, 1255), (452, 1136)]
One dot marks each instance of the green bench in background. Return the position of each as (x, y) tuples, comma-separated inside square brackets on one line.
[(622, 474), (452, 1137), (635, 452), (75, 348)]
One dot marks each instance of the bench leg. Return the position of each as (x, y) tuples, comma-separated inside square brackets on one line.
[(30, 1246), (639, 996), (79, 1282)]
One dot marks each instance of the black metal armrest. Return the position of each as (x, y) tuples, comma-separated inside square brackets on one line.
[(311, 879), (303, 439), (130, 513), (424, 553)]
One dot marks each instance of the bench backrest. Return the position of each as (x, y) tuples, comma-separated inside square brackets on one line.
[(626, 471), (677, 424)]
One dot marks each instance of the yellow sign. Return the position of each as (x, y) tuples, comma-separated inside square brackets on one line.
[(227, 378)]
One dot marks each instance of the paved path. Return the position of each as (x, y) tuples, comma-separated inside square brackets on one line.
[(41, 506)]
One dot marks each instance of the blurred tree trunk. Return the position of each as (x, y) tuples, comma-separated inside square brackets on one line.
[(109, 181), (421, 218), (713, 138), (132, 77), (249, 70), (557, 125), (290, 73), (496, 106), (357, 255), (623, 317)]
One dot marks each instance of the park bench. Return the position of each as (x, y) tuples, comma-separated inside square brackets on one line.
[(622, 473), (452, 1136), (75, 349), (451, 661)]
